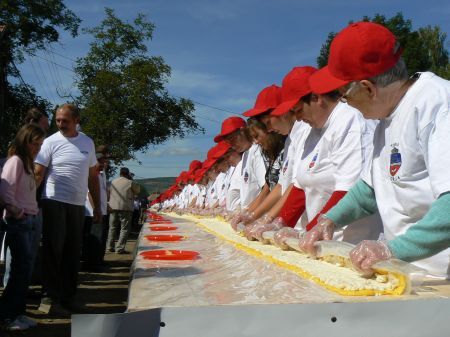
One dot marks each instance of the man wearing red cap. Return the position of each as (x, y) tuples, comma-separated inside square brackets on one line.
[(408, 182)]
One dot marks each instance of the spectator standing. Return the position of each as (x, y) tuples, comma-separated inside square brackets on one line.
[(95, 234), (67, 160), (18, 192), (122, 192), (39, 117)]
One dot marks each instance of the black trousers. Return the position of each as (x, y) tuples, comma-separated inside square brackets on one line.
[(94, 241), (62, 237)]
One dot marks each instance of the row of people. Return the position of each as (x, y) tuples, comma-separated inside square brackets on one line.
[(347, 152)]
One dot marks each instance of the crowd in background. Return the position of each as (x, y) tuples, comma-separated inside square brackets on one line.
[(55, 195)]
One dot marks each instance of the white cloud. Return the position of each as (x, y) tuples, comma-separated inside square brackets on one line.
[(174, 151)]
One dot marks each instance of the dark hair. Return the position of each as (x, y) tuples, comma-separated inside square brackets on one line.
[(34, 115), (26, 135), (275, 140)]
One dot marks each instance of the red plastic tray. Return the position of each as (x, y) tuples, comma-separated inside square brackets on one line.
[(169, 255), (164, 238), (163, 228)]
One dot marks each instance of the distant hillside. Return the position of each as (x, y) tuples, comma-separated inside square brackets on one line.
[(155, 185)]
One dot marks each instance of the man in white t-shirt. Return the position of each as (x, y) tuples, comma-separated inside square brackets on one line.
[(68, 163), (409, 180)]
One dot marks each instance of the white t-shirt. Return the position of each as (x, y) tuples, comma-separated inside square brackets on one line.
[(411, 164), (332, 160), (233, 199), (253, 173), (294, 141), (67, 161)]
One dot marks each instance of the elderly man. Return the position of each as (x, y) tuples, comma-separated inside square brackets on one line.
[(67, 161), (123, 190), (408, 181)]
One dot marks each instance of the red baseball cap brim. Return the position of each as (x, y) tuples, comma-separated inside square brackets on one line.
[(284, 107), (322, 81), (255, 112)]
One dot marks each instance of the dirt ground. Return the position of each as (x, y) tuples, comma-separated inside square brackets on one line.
[(99, 293)]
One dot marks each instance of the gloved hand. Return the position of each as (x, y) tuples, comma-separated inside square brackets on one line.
[(261, 221), (367, 253), (285, 233), (324, 230), (240, 217), (259, 228)]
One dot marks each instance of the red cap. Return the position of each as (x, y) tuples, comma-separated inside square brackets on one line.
[(268, 98), (218, 150), (194, 165), (229, 125), (295, 86), (361, 50)]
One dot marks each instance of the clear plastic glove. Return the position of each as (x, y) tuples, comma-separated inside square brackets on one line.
[(324, 230), (367, 253), (258, 229), (285, 233), (238, 218)]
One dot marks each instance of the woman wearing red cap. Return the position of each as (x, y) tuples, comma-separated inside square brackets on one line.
[(408, 181), (251, 168), (332, 159)]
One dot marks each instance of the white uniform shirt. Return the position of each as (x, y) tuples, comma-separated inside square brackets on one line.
[(233, 199), (411, 164), (67, 161), (332, 160), (227, 184), (194, 193), (201, 197), (220, 184), (211, 194), (253, 173), (294, 141)]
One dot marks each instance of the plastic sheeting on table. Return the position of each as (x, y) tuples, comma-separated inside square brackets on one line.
[(223, 275)]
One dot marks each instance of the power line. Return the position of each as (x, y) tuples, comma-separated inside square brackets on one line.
[(39, 79)]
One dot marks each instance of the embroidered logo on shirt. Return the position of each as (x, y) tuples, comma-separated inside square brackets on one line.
[(396, 161), (246, 176), (313, 161), (286, 164)]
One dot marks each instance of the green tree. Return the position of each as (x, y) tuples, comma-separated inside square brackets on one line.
[(25, 27), (122, 90), (424, 49)]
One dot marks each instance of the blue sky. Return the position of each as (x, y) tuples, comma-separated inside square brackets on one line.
[(222, 53)]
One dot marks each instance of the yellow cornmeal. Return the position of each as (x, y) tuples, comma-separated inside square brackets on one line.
[(334, 276)]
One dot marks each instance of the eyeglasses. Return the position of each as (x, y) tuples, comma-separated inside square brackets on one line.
[(344, 96)]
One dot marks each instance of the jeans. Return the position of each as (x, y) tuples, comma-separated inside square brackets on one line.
[(35, 241), (118, 219), (19, 239)]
